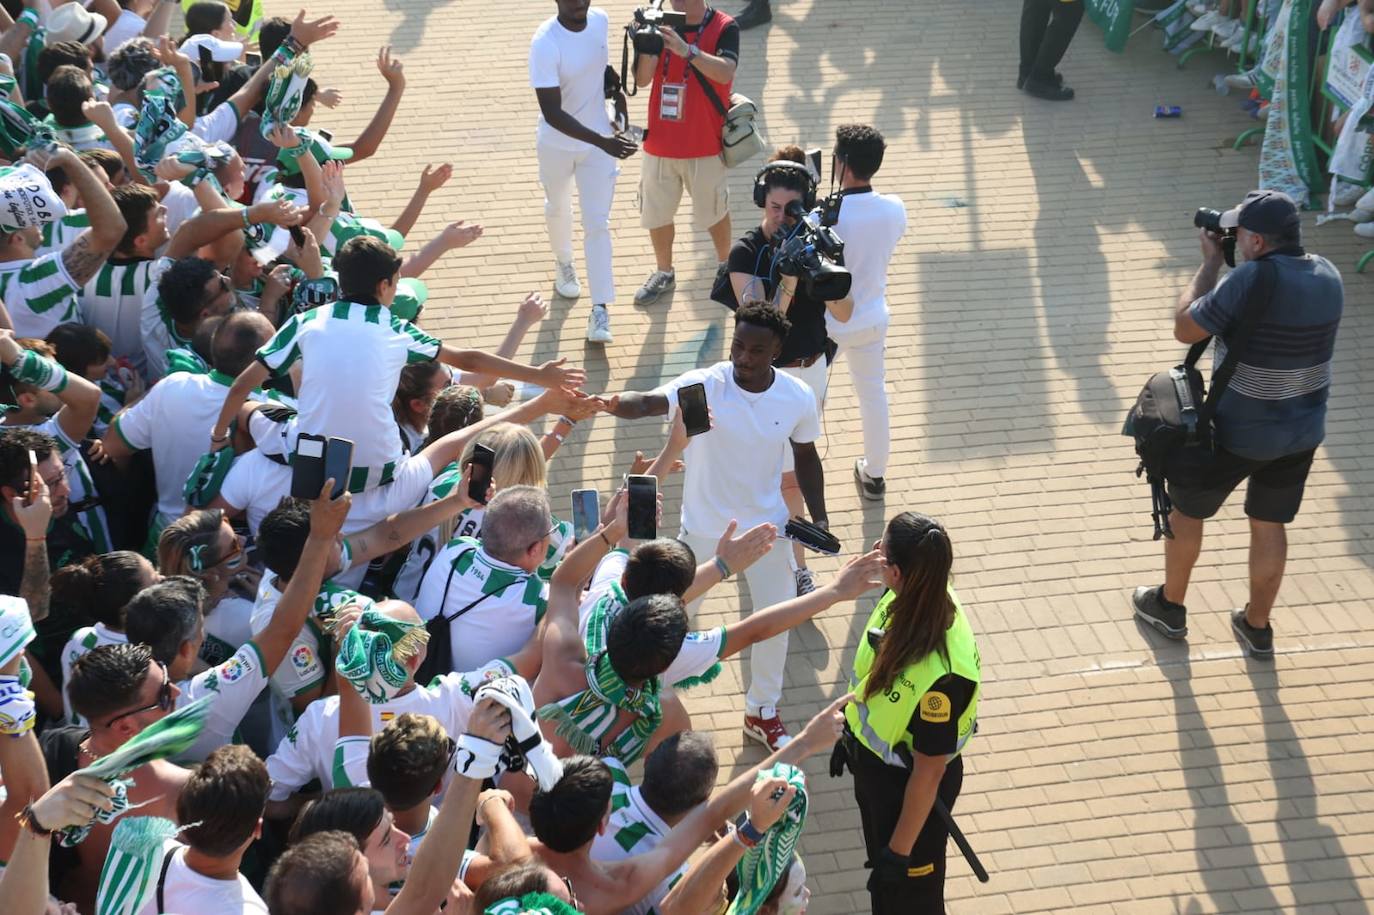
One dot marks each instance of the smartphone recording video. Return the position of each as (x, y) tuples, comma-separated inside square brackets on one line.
[(483, 459), (642, 511), (691, 400)]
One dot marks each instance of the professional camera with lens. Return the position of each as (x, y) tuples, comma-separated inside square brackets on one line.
[(648, 20), (1209, 219), (812, 251)]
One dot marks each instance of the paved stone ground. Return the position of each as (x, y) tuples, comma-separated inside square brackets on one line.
[(1032, 296)]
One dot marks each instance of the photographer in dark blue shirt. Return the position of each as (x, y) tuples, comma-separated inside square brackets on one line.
[(1270, 419)]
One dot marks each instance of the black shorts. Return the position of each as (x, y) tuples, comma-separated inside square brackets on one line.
[(1274, 493)]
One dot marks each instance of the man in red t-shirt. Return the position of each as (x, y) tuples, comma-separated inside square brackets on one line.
[(682, 148)]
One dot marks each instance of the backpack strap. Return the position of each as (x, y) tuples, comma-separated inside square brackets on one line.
[(1256, 310), (162, 879), (453, 567)]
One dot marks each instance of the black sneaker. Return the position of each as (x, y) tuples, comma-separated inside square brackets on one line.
[(1047, 90), (1169, 618), (1260, 642), (873, 488), (756, 13), (1058, 78)]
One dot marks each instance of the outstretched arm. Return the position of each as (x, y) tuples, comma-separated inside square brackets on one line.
[(393, 71)]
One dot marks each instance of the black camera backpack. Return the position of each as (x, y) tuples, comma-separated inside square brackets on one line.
[(1171, 421)]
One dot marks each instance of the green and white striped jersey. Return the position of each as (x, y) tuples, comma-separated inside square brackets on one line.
[(83, 640), (39, 294), (501, 604), (92, 520), (114, 301), (633, 829), (62, 232), (352, 356)]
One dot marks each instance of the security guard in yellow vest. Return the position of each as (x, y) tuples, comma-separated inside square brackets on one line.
[(915, 685)]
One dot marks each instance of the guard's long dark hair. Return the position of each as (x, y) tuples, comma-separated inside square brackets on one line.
[(922, 609)]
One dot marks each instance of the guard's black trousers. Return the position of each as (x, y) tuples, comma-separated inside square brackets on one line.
[(879, 789), (1047, 27)]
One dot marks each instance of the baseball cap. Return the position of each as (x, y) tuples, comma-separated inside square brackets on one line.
[(221, 51), (348, 225), (73, 22), (320, 148), (1265, 212), (411, 295)]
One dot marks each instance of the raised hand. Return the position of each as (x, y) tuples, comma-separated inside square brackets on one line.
[(435, 176), (459, 234), (860, 574), (392, 70)]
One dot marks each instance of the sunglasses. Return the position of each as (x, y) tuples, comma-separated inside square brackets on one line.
[(572, 897), (164, 702)]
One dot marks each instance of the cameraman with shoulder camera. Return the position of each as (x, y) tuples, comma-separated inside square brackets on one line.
[(870, 224), (759, 272), (571, 76), (1270, 419), (691, 68)]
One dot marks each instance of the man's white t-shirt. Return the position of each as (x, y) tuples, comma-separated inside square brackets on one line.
[(170, 421), (255, 485), (504, 603), (734, 471), (575, 64), (235, 684), (113, 302), (307, 752), (352, 358), (633, 829), (184, 890), (870, 224)]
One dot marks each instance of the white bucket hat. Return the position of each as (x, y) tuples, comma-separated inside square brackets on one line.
[(73, 22)]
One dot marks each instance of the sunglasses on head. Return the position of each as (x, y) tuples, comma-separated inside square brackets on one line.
[(164, 702)]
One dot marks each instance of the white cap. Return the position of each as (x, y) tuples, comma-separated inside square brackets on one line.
[(221, 51), (73, 22)]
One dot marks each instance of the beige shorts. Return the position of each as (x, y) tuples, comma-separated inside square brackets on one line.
[(660, 190)]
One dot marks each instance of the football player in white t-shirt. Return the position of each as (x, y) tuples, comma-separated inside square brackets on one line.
[(734, 473), (352, 353)]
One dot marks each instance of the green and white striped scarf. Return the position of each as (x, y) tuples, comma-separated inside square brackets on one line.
[(129, 876), (373, 655), (531, 904), (593, 710), (764, 865), (610, 604)]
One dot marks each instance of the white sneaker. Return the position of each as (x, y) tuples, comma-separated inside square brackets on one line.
[(599, 325), (1205, 21), (1364, 229), (1366, 202), (565, 280), (1227, 29), (1346, 194)]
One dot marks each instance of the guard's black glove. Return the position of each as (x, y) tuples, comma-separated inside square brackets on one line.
[(839, 758), (788, 266), (889, 870)]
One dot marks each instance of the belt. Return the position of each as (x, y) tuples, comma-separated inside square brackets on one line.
[(803, 363)]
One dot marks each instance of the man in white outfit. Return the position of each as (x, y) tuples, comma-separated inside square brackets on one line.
[(569, 66), (870, 224)]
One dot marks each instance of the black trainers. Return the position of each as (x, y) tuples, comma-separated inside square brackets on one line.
[(873, 488), (1260, 642), (1047, 89), (1058, 78), (756, 13), (1169, 618)]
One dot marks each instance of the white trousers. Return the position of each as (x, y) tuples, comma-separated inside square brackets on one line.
[(595, 172), (816, 376), (863, 351), (771, 581)]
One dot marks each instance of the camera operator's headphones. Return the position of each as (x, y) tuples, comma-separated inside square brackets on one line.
[(788, 166)]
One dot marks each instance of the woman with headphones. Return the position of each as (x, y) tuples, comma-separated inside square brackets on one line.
[(916, 687), (756, 274)]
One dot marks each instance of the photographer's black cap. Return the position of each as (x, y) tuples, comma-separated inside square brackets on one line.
[(1265, 212)]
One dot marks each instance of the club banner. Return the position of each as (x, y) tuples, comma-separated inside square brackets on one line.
[(1288, 158), (1114, 18)]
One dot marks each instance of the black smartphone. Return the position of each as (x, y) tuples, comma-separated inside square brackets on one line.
[(30, 487), (483, 458), (643, 506), (326, 135), (586, 512), (253, 60), (691, 400), (207, 59), (317, 459), (297, 235), (813, 163)]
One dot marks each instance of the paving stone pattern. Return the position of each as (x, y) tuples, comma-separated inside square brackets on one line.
[(1032, 296)]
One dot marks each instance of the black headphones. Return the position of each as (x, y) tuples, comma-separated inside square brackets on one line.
[(785, 165)]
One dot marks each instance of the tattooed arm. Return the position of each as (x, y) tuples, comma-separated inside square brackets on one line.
[(84, 256)]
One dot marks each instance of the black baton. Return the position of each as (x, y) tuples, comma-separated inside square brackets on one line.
[(957, 834)]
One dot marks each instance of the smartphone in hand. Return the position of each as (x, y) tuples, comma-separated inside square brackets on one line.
[(317, 459), (691, 400), (31, 490), (586, 513), (483, 459), (642, 510)]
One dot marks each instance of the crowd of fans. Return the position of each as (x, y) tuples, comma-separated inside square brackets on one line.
[(219, 693)]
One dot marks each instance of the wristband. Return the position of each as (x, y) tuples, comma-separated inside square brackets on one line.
[(557, 437), (28, 821), (605, 539), (39, 371), (247, 223), (476, 757), (30, 18), (570, 422), (743, 842), (746, 830), (723, 568)]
